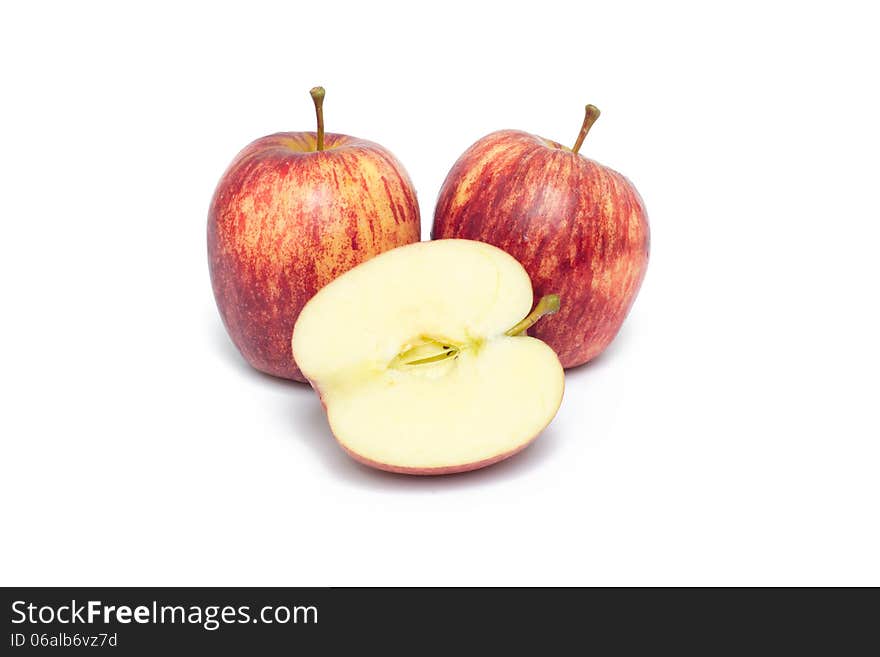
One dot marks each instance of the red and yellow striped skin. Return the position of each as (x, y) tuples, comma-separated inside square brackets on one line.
[(286, 220), (579, 229)]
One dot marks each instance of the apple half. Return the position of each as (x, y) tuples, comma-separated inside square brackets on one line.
[(421, 359)]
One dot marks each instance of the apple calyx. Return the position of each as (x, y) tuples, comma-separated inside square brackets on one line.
[(427, 350), (590, 116), (317, 94)]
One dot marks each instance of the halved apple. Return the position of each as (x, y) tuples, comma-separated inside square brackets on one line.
[(421, 361)]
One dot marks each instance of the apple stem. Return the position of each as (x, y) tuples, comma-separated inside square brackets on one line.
[(546, 306), (318, 98), (592, 113)]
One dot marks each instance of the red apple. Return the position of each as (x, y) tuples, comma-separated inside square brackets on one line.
[(580, 230), (293, 211)]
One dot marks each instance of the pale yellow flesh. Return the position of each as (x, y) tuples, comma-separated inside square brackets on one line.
[(493, 398)]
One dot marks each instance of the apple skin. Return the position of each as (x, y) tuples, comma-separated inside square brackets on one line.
[(287, 219), (428, 472), (580, 230)]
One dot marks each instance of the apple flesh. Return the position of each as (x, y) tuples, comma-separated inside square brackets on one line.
[(420, 362), (579, 228), (289, 216)]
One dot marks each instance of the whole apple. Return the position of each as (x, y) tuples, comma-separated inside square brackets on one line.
[(293, 211), (580, 230)]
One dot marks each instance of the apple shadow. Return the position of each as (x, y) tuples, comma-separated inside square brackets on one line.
[(227, 350), (603, 359), (299, 406)]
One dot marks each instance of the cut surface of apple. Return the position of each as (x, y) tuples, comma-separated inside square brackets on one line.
[(412, 357)]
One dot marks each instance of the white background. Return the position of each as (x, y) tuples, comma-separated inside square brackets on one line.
[(728, 436)]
